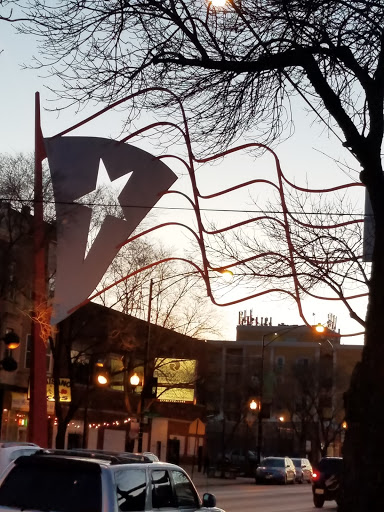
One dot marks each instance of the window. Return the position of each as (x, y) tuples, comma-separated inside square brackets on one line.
[(185, 493), (280, 361), (117, 373), (162, 495), (274, 462), (130, 489), (28, 354), (63, 486), (303, 362), (22, 452)]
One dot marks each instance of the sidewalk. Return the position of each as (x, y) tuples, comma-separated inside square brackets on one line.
[(203, 482)]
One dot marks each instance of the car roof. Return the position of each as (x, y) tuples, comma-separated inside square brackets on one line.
[(89, 458), (329, 462), (109, 457), (15, 444)]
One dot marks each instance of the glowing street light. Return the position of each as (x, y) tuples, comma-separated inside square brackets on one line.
[(134, 380), (319, 328), (227, 275), (102, 379), (253, 405)]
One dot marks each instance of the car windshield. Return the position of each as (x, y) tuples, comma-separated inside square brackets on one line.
[(62, 488), (274, 463), (297, 462), (26, 450)]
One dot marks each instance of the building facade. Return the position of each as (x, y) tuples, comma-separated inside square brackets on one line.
[(299, 376)]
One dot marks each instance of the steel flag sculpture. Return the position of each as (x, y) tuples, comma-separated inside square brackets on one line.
[(74, 163)]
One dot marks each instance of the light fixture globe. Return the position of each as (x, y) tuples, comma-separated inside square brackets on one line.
[(11, 340), (134, 380), (102, 378), (319, 328), (253, 405)]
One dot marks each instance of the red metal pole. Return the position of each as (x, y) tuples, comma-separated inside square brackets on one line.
[(38, 421)]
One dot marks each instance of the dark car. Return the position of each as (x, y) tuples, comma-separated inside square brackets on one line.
[(276, 469), (303, 470), (326, 480)]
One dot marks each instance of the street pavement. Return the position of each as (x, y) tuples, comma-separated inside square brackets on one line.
[(248, 497), (201, 479), (242, 494)]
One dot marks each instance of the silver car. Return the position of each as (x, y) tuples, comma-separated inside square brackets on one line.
[(9, 451), (86, 481), (303, 470), (276, 470)]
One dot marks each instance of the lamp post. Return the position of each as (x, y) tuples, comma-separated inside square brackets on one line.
[(100, 379), (145, 372), (317, 329), (281, 420), (227, 275)]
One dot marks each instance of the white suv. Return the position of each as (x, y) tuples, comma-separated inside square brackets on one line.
[(9, 451), (97, 481)]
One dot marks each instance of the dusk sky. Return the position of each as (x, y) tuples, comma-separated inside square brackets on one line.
[(309, 158)]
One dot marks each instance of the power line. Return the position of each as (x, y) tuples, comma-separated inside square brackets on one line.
[(186, 208)]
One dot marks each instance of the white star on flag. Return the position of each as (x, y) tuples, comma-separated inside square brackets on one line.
[(109, 191)]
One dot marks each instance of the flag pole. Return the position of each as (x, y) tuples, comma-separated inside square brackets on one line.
[(38, 421)]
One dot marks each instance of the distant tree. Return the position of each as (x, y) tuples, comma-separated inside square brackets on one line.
[(179, 299), (322, 253), (313, 397), (16, 221)]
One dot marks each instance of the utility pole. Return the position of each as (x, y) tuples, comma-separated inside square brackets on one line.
[(145, 371)]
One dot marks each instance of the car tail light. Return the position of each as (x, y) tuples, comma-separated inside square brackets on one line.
[(315, 475)]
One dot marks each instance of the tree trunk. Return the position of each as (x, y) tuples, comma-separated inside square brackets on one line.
[(60, 436), (363, 449)]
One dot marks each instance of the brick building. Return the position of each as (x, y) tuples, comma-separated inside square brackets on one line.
[(304, 378)]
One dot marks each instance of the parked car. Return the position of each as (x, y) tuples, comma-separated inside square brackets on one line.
[(276, 469), (9, 451), (326, 481), (87, 481), (242, 463), (303, 470)]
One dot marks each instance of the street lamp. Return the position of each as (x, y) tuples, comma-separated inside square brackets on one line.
[(134, 380), (279, 447), (146, 384), (145, 370), (253, 405), (319, 328), (101, 378)]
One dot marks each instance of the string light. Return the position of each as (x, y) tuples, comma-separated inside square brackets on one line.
[(115, 423)]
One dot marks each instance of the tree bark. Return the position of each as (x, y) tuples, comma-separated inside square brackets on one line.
[(363, 449), (60, 436)]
